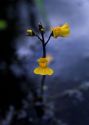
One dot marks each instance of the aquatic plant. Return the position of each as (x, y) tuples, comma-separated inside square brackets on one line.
[(43, 69)]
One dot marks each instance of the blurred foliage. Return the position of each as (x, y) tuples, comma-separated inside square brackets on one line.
[(11, 85), (3, 24)]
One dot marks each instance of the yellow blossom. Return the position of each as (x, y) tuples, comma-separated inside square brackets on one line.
[(30, 32), (43, 69), (61, 31)]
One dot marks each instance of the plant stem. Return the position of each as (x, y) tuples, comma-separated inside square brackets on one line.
[(44, 55), (42, 84), (48, 39), (38, 37), (43, 45), (44, 50)]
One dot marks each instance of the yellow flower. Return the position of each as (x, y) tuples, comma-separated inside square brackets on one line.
[(43, 69), (30, 32), (61, 31)]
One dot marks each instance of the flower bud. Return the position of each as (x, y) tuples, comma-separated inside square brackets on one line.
[(41, 28), (30, 32)]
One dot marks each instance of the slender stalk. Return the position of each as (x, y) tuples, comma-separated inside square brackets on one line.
[(43, 45), (44, 50), (38, 37), (44, 55), (48, 39), (42, 84)]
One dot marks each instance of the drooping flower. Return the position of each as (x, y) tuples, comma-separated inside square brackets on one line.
[(61, 31), (30, 32), (43, 69)]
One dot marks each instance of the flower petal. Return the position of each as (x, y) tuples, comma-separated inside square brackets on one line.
[(43, 71), (61, 31)]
